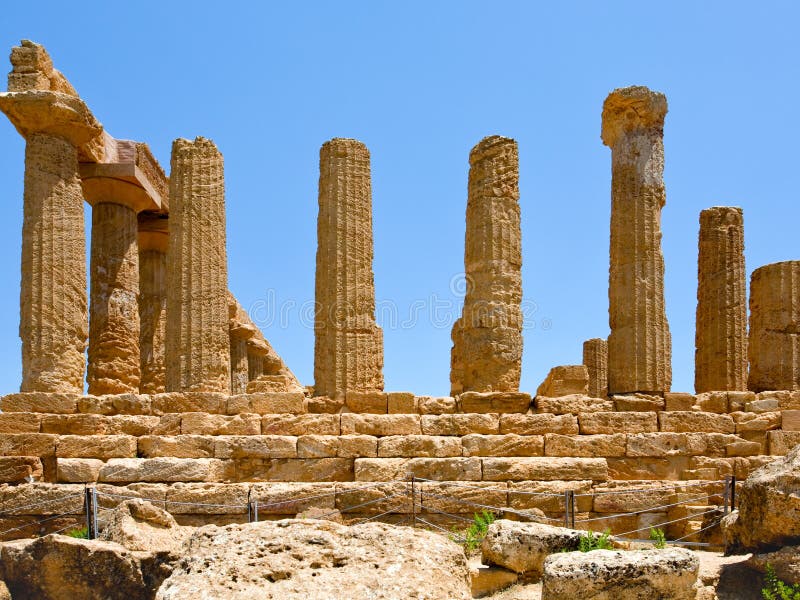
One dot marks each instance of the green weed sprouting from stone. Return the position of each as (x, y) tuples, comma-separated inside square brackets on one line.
[(591, 541), (82, 533), (473, 535), (775, 589), (658, 538)]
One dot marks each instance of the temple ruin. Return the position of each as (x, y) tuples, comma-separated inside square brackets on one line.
[(190, 407)]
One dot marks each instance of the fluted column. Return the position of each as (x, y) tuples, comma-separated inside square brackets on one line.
[(721, 324), (639, 346), (197, 343), (153, 241), (255, 363), (595, 357), (114, 311), (774, 344), (487, 339), (53, 303), (348, 351), (240, 370)]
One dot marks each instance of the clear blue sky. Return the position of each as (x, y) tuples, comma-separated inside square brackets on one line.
[(420, 83)]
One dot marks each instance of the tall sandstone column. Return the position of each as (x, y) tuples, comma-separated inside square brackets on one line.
[(639, 346), (53, 302), (721, 328), (153, 242), (58, 128), (197, 343), (774, 345), (487, 339), (348, 350), (595, 357), (114, 312)]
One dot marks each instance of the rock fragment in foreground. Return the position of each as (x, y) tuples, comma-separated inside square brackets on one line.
[(523, 547), (615, 575), (295, 559), (768, 515)]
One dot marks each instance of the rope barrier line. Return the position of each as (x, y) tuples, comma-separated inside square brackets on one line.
[(652, 489), (39, 522), (667, 522), (714, 524), (447, 514), (434, 525), (486, 489), (644, 510), (6, 513), (378, 516), (373, 501), (489, 507)]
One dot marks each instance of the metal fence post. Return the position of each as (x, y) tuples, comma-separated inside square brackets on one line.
[(90, 504), (255, 510), (566, 508), (413, 502), (733, 492), (726, 494)]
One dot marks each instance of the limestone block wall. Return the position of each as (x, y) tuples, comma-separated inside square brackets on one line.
[(206, 447)]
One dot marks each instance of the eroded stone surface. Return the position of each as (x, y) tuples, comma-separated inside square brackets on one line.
[(721, 333), (348, 351), (595, 357), (487, 338), (197, 338), (639, 346)]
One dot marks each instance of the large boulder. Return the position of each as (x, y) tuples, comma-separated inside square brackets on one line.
[(614, 575), (785, 561), (522, 547), (139, 525), (58, 567), (768, 515), (294, 559)]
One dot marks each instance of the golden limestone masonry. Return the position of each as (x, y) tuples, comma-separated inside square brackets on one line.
[(639, 346), (190, 407)]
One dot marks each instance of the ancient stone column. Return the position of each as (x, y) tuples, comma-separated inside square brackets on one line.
[(198, 343), (774, 344), (255, 362), (153, 241), (348, 350), (721, 328), (487, 338), (595, 357), (114, 311), (639, 346), (53, 303), (240, 369), (59, 129)]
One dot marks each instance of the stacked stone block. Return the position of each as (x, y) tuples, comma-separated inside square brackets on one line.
[(639, 346), (487, 338), (774, 343), (721, 334), (348, 350)]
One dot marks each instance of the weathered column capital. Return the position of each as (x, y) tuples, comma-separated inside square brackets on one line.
[(153, 231), (57, 114), (630, 109), (128, 175)]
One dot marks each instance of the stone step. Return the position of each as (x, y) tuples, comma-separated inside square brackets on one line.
[(445, 502)]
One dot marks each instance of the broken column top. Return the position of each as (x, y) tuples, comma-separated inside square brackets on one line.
[(489, 146), (182, 145), (343, 146), (631, 108)]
